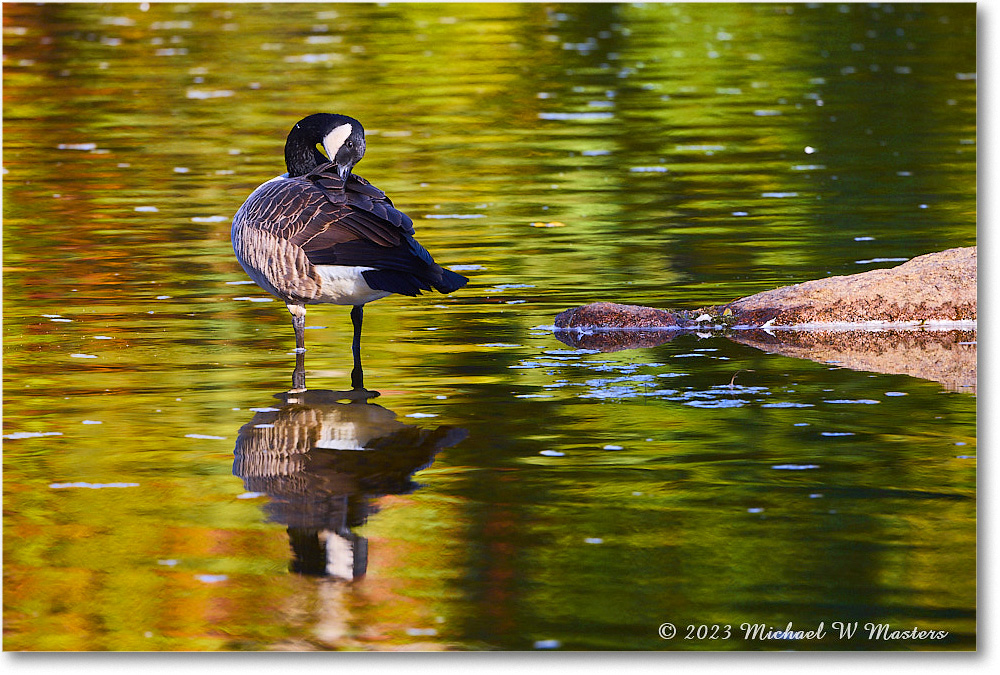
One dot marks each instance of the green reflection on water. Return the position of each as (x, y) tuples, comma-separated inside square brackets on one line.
[(685, 155)]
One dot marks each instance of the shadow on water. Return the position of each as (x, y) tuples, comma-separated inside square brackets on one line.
[(322, 458), (944, 356)]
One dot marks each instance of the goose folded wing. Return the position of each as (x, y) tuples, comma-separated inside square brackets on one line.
[(359, 194), (324, 225)]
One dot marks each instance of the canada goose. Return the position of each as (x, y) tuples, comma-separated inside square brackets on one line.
[(320, 234)]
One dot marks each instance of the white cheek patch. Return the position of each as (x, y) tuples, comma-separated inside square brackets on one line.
[(333, 140)]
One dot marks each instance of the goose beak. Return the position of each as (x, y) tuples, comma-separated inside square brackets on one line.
[(343, 170)]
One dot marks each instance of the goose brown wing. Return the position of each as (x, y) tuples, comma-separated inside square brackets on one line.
[(354, 223), (318, 212)]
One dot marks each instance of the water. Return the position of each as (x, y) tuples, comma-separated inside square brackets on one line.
[(518, 492)]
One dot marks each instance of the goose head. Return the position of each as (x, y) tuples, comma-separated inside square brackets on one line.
[(341, 137)]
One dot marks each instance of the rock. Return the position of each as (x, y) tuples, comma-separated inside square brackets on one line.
[(612, 315), (933, 287)]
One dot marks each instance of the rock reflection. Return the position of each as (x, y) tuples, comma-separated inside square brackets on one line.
[(322, 462), (947, 357), (617, 340), (944, 356)]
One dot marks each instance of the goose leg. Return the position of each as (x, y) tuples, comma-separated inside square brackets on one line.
[(299, 374), (357, 376), (299, 326)]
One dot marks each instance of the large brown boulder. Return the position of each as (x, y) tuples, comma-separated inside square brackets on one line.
[(933, 287)]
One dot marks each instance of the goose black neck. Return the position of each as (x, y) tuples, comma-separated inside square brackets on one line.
[(301, 155)]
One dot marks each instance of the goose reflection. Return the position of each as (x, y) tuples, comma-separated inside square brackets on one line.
[(323, 457)]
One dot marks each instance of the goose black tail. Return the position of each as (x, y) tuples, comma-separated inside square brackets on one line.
[(450, 281)]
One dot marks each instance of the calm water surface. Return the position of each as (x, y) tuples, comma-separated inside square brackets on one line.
[(516, 492)]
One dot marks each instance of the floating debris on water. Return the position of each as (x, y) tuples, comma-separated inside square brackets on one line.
[(552, 453), (699, 148), (794, 467), (755, 509), (896, 393), (211, 578), (249, 299), (593, 540), (209, 219), (91, 486), (421, 415), (77, 146), (507, 287), (239, 283), (205, 437), (879, 260), (147, 209), (415, 632), (613, 447), (92, 422), (200, 94), (265, 409), (575, 116), (250, 495), (862, 401), (17, 435), (467, 268), (836, 433), (83, 356)]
